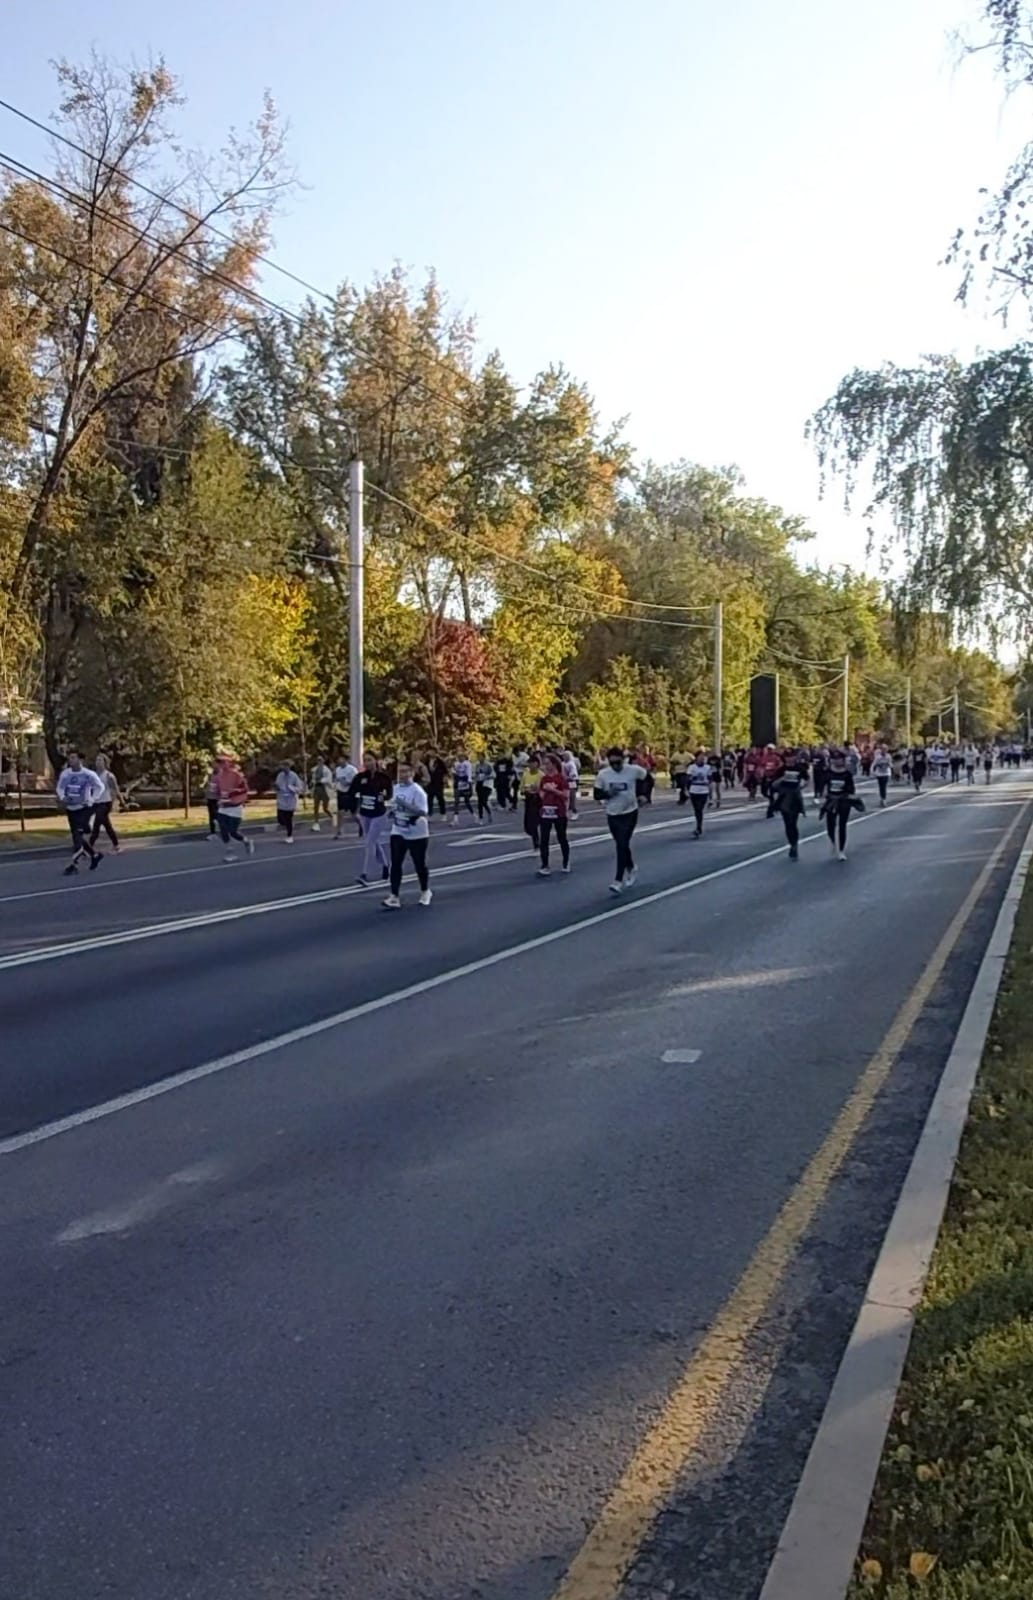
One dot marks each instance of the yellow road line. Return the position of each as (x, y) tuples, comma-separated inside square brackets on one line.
[(599, 1568)]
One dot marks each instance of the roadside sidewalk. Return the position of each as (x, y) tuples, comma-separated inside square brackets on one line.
[(933, 1401)]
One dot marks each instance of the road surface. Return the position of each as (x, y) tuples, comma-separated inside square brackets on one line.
[(350, 1254)]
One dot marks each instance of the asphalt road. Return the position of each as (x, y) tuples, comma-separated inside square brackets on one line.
[(382, 1304)]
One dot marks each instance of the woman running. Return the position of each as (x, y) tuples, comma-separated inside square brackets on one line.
[(462, 787), (839, 799), (233, 797), (289, 788), (483, 777), (698, 780), (410, 834), (620, 787), (553, 810), (787, 799), (882, 768), (918, 768), (530, 780), (103, 809), (370, 791)]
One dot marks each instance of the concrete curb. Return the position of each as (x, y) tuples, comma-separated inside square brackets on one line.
[(819, 1543)]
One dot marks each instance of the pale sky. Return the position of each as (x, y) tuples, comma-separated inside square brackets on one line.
[(707, 212)]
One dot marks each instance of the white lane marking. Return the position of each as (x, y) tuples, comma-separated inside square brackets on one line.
[(311, 1030), (680, 1057), (744, 980), (205, 919), (120, 1219), (479, 838)]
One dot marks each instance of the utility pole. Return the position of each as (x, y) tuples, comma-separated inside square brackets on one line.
[(719, 651), (846, 698), (957, 719), (907, 711), (356, 659)]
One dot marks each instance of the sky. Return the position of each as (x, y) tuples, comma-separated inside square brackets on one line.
[(709, 212)]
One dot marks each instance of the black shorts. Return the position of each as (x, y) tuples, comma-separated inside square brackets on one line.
[(345, 802)]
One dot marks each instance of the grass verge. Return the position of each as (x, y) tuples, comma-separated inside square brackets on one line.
[(952, 1513), (131, 824)]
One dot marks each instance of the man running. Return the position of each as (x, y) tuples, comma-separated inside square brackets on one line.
[(79, 789), (503, 769), (483, 777), (345, 774), (618, 787), (410, 834), (289, 788)]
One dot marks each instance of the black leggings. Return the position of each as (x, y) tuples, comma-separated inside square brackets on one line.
[(836, 819), (213, 814), (545, 829), (622, 827), (285, 820), (791, 823), (417, 849), (462, 798), (79, 828), (484, 801), (883, 786), (102, 819), (229, 828), (436, 797), (699, 805)]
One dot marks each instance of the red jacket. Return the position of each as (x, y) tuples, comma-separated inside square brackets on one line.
[(553, 792), (231, 784)]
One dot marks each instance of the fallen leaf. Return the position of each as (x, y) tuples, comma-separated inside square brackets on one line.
[(921, 1563), (871, 1570), (925, 1472)]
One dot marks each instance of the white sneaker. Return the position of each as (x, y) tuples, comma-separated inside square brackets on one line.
[(426, 897), (249, 846), (632, 877), (289, 839), (841, 856), (616, 887), (315, 827), (229, 860), (454, 822), (544, 872), (832, 848), (567, 867), (392, 903)]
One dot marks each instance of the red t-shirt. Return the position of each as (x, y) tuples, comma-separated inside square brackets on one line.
[(553, 792)]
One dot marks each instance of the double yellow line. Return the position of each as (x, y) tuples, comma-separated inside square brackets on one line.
[(647, 1484)]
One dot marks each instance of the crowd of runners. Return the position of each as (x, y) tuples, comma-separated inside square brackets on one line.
[(390, 804)]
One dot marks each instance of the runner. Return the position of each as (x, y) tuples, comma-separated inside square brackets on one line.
[(839, 800), (438, 770), (410, 834), (288, 788), (233, 796), (530, 780), (918, 768), (102, 810), (970, 756), (79, 789), (462, 787), (483, 777), (503, 769), (698, 778), (572, 773), (787, 799), (211, 800), (345, 774), (617, 787), (954, 761), (553, 809), (679, 782), (370, 793), (988, 761), (713, 761), (728, 769), (882, 768), (322, 783)]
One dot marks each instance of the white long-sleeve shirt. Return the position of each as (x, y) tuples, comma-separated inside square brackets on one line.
[(408, 809), (288, 787), (79, 788)]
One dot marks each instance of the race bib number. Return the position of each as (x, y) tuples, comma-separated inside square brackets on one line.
[(549, 813)]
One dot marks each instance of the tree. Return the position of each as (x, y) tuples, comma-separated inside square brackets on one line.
[(122, 272)]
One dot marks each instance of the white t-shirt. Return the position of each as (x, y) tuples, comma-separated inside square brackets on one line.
[(620, 788), (343, 775), (288, 788), (881, 766), (80, 788), (110, 783), (408, 809), (571, 770), (321, 774), (699, 775)]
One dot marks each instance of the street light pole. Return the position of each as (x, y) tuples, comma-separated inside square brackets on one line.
[(957, 719), (719, 650), (356, 707), (846, 698), (907, 711)]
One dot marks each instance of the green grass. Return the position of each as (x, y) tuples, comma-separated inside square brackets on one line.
[(956, 1480), (136, 824)]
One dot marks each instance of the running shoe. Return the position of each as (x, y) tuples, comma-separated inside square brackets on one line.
[(616, 887), (249, 846), (544, 872), (70, 872), (95, 861), (567, 867), (392, 903), (315, 827), (841, 855), (632, 877), (289, 839), (362, 881), (426, 897)]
